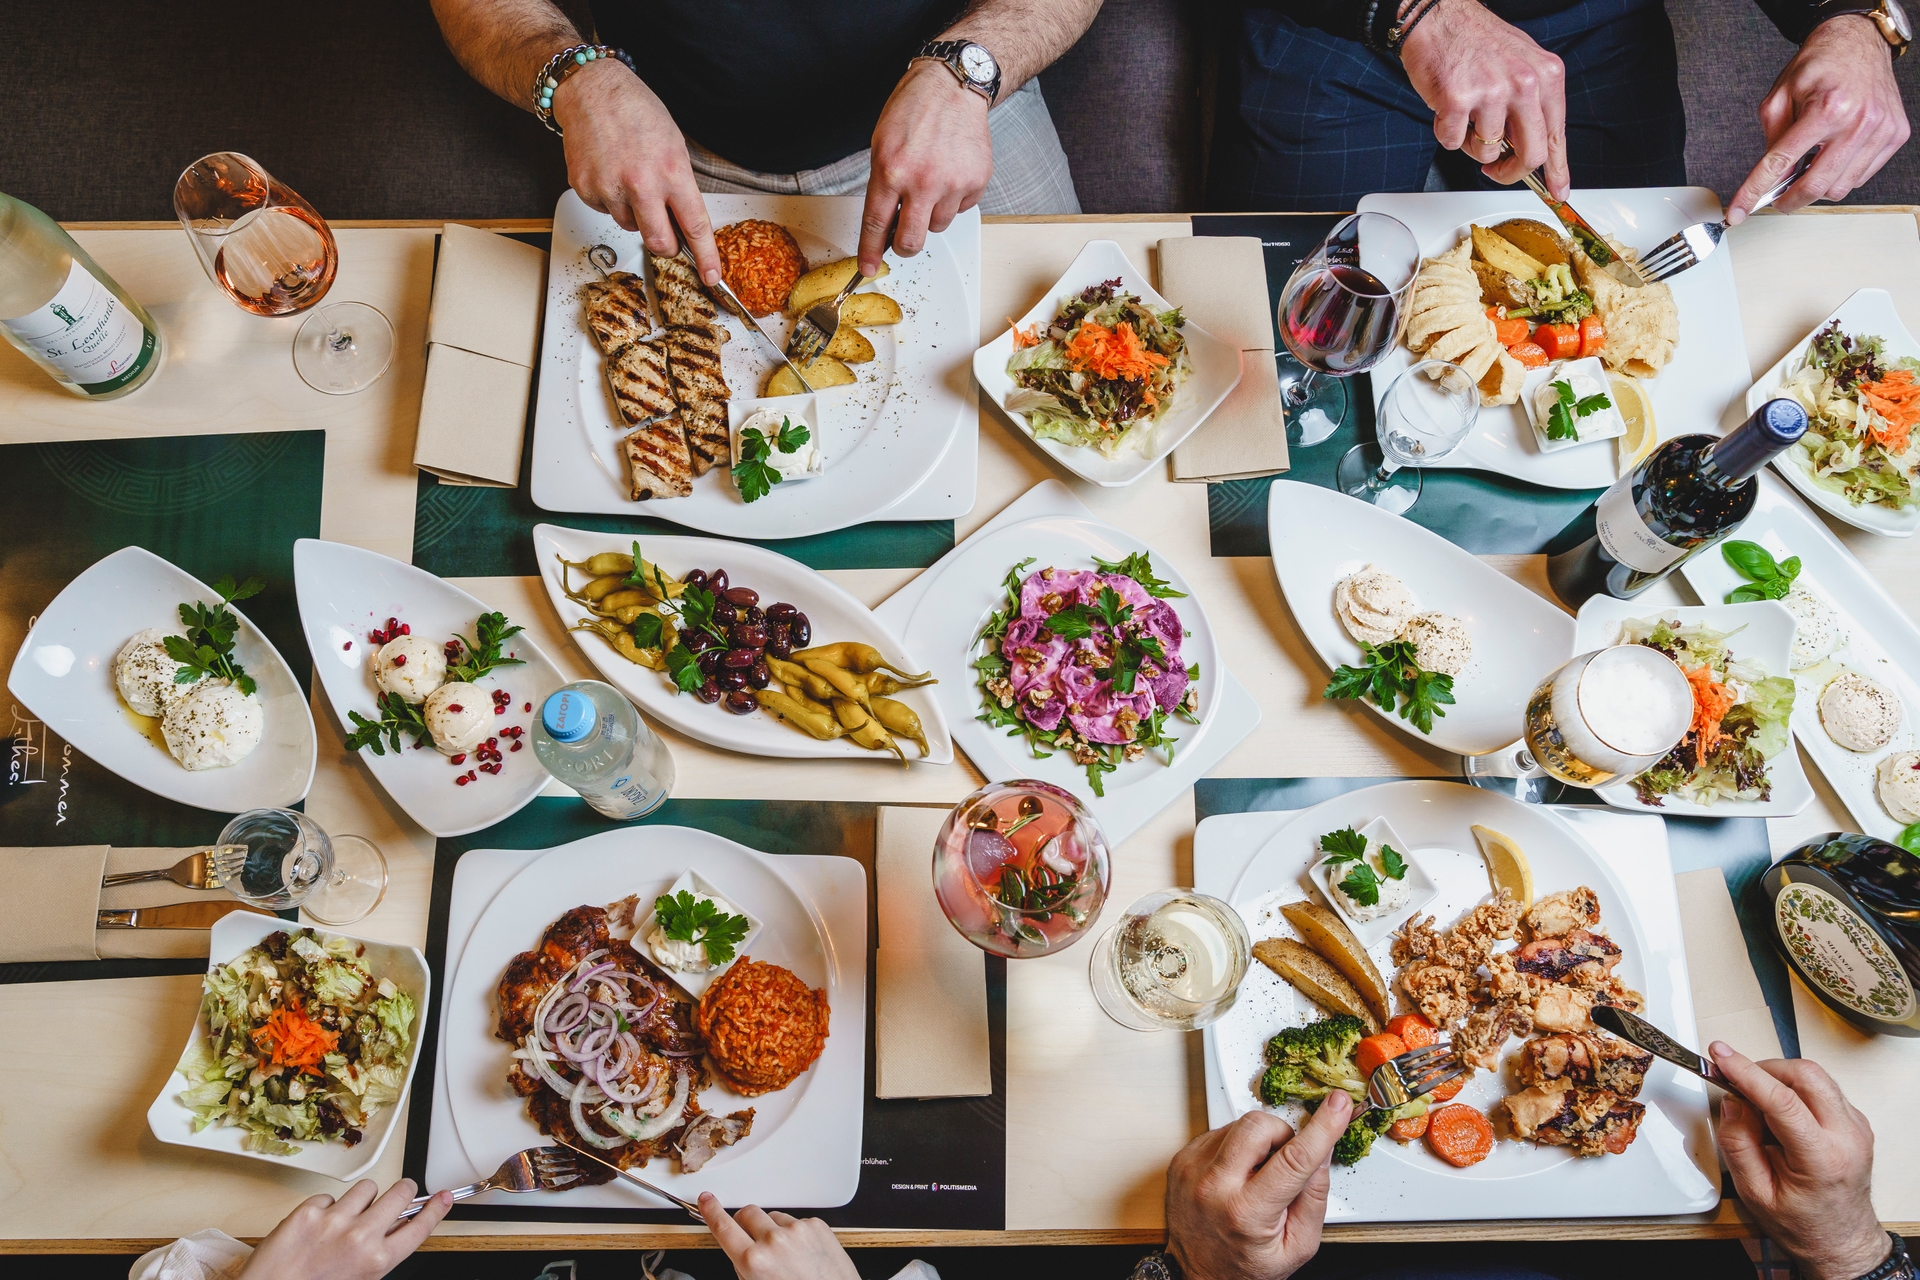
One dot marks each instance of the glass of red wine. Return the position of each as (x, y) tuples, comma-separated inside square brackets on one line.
[(1021, 868), (1340, 314)]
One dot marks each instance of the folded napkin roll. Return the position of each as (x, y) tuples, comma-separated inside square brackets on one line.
[(54, 899), (1220, 283)]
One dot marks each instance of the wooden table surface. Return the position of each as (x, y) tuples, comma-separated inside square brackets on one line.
[(1093, 1111)]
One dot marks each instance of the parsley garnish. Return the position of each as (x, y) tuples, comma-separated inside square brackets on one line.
[(1076, 620), (1344, 845), (207, 648), (649, 630), (1563, 418), (655, 584), (396, 714), (1765, 580), (1390, 675), (1392, 863), (478, 659), (684, 668), (1362, 885), (1138, 567), (752, 473), (685, 918)]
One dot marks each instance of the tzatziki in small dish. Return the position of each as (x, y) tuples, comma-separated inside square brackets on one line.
[(1573, 405), (1370, 876), (695, 933), (775, 441)]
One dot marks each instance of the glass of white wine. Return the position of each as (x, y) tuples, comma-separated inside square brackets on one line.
[(272, 253), (1173, 963)]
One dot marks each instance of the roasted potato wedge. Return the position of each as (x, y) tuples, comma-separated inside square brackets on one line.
[(1501, 288), (825, 371), (1328, 934), (1496, 250), (1537, 240), (869, 308), (849, 344), (1317, 980), (822, 283)]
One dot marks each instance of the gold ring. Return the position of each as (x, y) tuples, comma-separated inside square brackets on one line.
[(1485, 142)]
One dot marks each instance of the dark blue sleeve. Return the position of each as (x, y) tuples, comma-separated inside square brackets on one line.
[(1795, 18), (1344, 18)]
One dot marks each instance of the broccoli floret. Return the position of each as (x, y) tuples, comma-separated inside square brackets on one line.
[(1357, 1141), (1286, 1082), (1306, 1063)]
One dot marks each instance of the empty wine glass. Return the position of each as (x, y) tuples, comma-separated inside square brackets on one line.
[(1424, 416), (1340, 314), (273, 254), (279, 858)]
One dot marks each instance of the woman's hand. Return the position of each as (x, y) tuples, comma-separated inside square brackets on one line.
[(357, 1237), (776, 1246), (1487, 80)]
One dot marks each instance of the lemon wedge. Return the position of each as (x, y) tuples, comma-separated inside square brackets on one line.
[(1506, 865), (1637, 411)]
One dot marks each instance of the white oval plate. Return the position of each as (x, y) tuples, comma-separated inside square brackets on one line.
[(1216, 372), (345, 592), (1766, 636), (1868, 311), (64, 676), (1319, 537), (805, 1145), (835, 616), (1657, 1174), (232, 934), (948, 620)]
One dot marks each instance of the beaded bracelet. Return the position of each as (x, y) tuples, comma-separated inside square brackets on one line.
[(563, 64), (1397, 36)]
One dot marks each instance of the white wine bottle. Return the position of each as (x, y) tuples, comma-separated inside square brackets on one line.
[(68, 315)]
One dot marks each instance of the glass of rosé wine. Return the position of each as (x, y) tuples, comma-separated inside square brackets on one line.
[(1021, 868)]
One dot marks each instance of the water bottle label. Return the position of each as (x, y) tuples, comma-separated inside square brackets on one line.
[(1626, 536), (1842, 954), (86, 334)]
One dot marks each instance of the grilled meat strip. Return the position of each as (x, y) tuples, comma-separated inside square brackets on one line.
[(1579, 957), (1595, 1061), (637, 372), (683, 302), (708, 1133), (1588, 1122), (658, 464), (617, 311), (693, 365)]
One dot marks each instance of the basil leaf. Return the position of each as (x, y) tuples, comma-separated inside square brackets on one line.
[(1750, 560)]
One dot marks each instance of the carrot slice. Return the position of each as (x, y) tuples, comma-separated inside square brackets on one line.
[(1559, 341), (1593, 337), (1459, 1135), (1531, 355), (1448, 1091), (1370, 1053), (1414, 1030), (1509, 330), (1405, 1131)]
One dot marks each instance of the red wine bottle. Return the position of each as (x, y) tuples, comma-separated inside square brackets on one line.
[(1687, 495), (1846, 917)]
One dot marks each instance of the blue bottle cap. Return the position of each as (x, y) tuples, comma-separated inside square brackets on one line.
[(568, 715), (1783, 419)]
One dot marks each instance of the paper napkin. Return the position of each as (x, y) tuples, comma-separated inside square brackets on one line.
[(930, 1002), (1727, 1000), (1220, 283), (55, 894), (483, 337)]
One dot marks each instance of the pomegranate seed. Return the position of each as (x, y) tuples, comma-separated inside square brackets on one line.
[(527, 707), (348, 646), (456, 708), (405, 630), (399, 659), (491, 741), (518, 745), (461, 781), (459, 759), (499, 711)]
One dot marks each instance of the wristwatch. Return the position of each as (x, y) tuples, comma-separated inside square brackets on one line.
[(1888, 15), (972, 64), (1898, 1265)]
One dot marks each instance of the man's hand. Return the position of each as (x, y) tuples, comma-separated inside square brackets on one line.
[(1803, 1164), (776, 1246), (627, 158), (1246, 1201), (1487, 80), (1838, 90), (356, 1237), (932, 157)]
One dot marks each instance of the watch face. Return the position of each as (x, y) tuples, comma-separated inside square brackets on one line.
[(979, 64), (1901, 22)]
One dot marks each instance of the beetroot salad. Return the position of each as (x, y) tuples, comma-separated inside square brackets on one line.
[(1087, 662)]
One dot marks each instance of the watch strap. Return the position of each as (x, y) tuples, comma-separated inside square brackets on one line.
[(1898, 1266), (1876, 13), (1156, 1266), (948, 52)]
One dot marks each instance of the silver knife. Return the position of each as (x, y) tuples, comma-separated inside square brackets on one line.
[(630, 1176), (746, 316), (1590, 241), (180, 915), (1638, 1031)]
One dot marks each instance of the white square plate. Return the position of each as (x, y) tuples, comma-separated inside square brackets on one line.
[(884, 437), (232, 934), (64, 676), (1867, 312), (1216, 372), (804, 1151), (1765, 635), (1420, 890), (1708, 371)]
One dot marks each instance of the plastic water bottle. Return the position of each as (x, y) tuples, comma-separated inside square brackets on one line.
[(590, 738)]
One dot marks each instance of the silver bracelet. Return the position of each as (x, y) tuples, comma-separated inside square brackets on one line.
[(559, 67)]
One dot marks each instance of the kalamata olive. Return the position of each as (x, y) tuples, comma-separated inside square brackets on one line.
[(753, 613), (780, 641), (717, 582), (695, 578), (747, 636), (710, 660), (740, 702), (802, 631), (781, 611), (742, 597), (759, 675), (709, 692), (697, 641), (738, 659), (731, 678), (724, 613)]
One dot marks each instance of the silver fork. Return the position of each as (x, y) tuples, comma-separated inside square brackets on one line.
[(1412, 1075), (1688, 246), (535, 1169), (195, 871), (817, 328)]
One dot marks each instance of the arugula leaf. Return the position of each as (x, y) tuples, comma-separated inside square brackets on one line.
[(684, 668), (1362, 885), (1140, 568), (685, 918), (1344, 845), (1391, 674), (481, 656), (1392, 863), (396, 715), (207, 648), (649, 629)]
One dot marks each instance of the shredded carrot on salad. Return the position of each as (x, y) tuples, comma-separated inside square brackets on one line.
[(1711, 702), (290, 1038), (1027, 337), (1113, 353), (1896, 400)]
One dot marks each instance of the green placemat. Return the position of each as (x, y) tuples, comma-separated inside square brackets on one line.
[(211, 505), (1484, 513), (1738, 846), (937, 1163)]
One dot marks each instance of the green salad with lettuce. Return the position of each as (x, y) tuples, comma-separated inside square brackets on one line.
[(1105, 369), (1739, 723), (306, 1044)]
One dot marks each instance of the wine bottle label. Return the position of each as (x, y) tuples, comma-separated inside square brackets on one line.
[(1841, 954), (87, 334), (1626, 536)]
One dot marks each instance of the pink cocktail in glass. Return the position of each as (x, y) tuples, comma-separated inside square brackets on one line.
[(1021, 868)]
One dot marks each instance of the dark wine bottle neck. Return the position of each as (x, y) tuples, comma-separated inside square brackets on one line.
[(1738, 457)]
